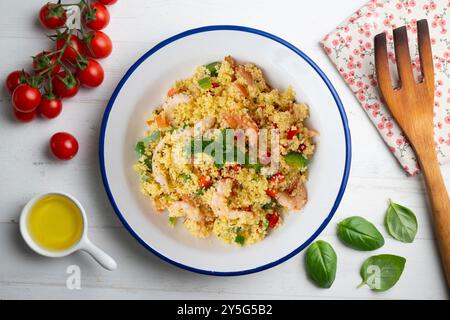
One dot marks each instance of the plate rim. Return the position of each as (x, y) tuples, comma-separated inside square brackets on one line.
[(302, 55)]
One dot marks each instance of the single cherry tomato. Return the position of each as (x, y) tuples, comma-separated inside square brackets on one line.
[(14, 79), (63, 145), (292, 133), (52, 16), (26, 98), (65, 85), (24, 116), (46, 60), (73, 50), (96, 16), (205, 182), (277, 178), (97, 44), (273, 219), (108, 2), (272, 193), (50, 106), (91, 75)]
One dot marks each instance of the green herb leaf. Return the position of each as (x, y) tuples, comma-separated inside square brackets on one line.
[(213, 68), (148, 164), (155, 135), (140, 148), (296, 160), (240, 239), (199, 192), (186, 177), (382, 272), (360, 234), (172, 221), (321, 263), (205, 83), (401, 222)]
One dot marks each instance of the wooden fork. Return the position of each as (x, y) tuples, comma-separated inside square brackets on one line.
[(411, 104)]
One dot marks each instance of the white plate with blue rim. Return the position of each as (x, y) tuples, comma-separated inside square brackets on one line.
[(143, 88)]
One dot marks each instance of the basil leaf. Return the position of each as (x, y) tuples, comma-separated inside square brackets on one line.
[(382, 272), (401, 222), (360, 234), (321, 263)]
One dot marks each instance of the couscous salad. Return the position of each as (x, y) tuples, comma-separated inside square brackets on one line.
[(226, 154)]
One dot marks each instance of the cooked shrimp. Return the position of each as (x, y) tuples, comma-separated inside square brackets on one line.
[(247, 76), (295, 198), (241, 122), (185, 209), (160, 177), (219, 202), (241, 88), (203, 125)]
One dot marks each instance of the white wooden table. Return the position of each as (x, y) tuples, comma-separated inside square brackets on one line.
[(137, 25)]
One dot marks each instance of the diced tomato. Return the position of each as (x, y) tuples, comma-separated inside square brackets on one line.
[(236, 167), (171, 92), (302, 147), (272, 193), (205, 182), (215, 85), (277, 178), (292, 133), (273, 219)]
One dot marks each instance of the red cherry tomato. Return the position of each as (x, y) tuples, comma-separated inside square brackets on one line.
[(26, 98), (74, 46), (292, 133), (24, 116), (108, 2), (63, 145), (50, 106), (65, 85), (97, 45), (52, 16), (205, 182), (44, 61), (273, 219), (97, 16), (92, 74), (14, 79)]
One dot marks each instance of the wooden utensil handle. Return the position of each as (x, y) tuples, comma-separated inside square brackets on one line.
[(440, 204)]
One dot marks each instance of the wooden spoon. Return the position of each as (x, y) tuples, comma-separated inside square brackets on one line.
[(411, 104)]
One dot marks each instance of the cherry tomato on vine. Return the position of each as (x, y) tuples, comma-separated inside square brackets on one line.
[(70, 53), (50, 106), (52, 16), (65, 85), (90, 73), (108, 2), (96, 16), (14, 79), (26, 98), (46, 60), (97, 44), (24, 116), (63, 145)]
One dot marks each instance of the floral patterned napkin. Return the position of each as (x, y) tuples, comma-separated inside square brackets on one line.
[(350, 48)]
